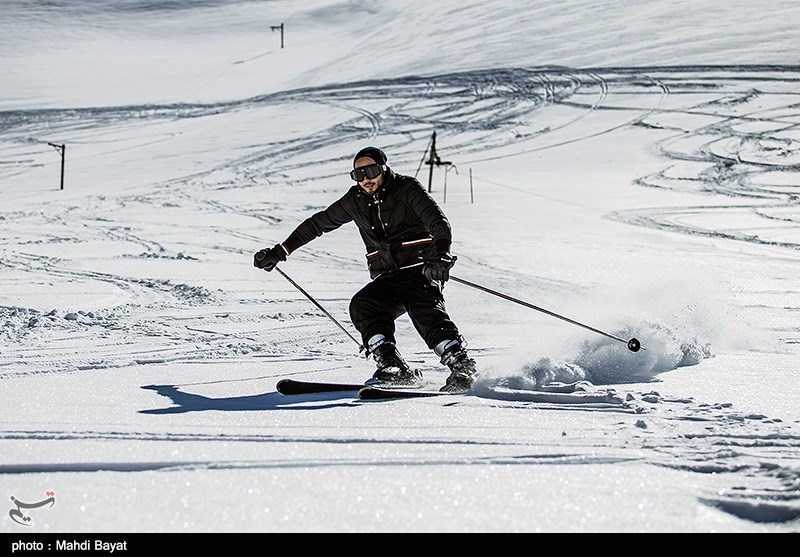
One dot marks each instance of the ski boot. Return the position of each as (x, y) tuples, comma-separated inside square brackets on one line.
[(393, 371), (462, 368)]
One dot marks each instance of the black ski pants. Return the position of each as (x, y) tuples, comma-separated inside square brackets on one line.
[(374, 308)]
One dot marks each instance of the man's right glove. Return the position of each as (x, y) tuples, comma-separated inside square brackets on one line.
[(438, 268), (268, 258)]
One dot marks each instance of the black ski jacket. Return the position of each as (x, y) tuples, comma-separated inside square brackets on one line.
[(401, 224)]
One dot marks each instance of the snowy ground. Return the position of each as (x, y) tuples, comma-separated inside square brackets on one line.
[(635, 167)]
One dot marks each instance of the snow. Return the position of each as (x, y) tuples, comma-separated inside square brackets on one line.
[(634, 168)]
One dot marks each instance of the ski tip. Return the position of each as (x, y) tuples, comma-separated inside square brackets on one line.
[(293, 387), (284, 386)]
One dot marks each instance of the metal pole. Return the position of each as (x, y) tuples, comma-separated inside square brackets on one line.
[(444, 200), (63, 159), (62, 149), (633, 344), (471, 193), (361, 347), (431, 162), (276, 28)]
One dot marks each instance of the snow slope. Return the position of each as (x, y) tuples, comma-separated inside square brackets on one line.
[(634, 167)]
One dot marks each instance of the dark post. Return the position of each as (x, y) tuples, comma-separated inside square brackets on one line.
[(431, 161), (63, 158), (61, 148), (275, 28), (444, 198), (471, 193), (434, 161)]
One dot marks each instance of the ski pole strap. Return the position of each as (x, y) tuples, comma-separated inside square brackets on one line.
[(633, 344), (361, 347)]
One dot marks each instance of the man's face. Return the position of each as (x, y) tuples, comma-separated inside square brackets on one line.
[(369, 185)]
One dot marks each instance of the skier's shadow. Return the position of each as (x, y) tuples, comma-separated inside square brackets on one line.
[(188, 402)]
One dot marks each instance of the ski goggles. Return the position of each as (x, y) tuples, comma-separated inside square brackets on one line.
[(371, 171)]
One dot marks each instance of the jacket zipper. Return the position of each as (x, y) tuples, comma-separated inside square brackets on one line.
[(380, 217)]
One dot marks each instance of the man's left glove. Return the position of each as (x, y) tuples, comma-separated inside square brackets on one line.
[(438, 268), (268, 258)]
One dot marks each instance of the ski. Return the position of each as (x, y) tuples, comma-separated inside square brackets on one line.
[(371, 392), (292, 387), (379, 393)]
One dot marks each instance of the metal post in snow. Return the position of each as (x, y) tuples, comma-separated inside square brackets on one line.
[(434, 160), (471, 193), (444, 199), (277, 27), (431, 161), (61, 148)]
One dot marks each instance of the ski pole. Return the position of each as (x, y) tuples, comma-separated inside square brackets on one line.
[(361, 347), (633, 344)]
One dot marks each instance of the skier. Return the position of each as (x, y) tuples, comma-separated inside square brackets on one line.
[(407, 238)]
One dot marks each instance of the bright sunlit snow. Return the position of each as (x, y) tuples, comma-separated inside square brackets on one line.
[(632, 166)]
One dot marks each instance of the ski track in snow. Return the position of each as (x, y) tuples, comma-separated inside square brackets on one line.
[(731, 133), (755, 454), (737, 138)]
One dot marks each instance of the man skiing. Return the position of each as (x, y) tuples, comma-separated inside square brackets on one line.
[(407, 238)]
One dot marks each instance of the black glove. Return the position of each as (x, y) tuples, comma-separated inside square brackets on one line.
[(268, 258), (438, 268)]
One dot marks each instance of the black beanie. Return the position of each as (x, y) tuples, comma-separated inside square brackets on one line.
[(372, 152)]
